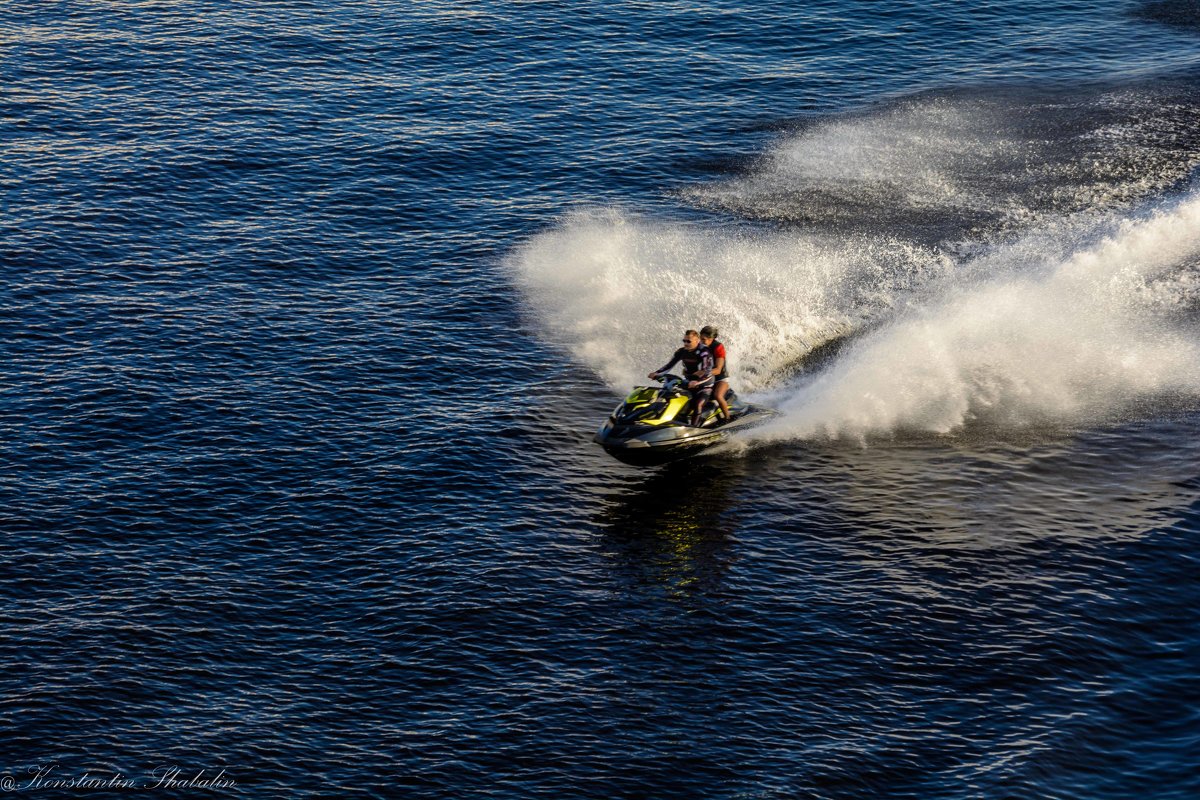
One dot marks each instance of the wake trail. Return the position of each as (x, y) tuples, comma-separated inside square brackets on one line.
[(994, 258)]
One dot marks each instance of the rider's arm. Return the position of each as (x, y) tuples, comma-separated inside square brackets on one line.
[(674, 360)]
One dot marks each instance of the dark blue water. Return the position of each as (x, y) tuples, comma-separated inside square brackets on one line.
[(311, 310)]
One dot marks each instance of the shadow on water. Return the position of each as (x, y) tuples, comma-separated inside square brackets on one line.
[(673, 529)]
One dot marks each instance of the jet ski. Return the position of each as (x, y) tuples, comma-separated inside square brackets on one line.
[(653, 424)]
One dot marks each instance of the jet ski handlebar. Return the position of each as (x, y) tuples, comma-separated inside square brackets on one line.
[(670, 380)]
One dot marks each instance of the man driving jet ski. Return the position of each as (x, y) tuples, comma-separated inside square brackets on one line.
[(697, 369)]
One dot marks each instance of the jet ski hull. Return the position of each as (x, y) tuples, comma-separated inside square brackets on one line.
[(649, 445)]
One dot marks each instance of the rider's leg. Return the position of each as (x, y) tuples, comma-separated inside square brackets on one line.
[(719, 396), (700, 398)]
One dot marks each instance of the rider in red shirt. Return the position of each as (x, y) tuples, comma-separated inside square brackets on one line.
[(708, 335)]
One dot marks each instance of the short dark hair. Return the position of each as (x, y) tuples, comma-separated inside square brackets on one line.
[(708, 332)]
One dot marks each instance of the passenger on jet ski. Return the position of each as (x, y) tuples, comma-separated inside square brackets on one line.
[(657, 425), (708, 337), (697, 369)]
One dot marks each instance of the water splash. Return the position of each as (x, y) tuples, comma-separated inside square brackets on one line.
[(617, 290), (968, 164), (1087, 336)]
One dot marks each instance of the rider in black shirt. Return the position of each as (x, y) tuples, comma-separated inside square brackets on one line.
[(697, 368)]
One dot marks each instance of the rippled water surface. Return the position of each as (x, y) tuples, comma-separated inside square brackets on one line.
[(311, 310)]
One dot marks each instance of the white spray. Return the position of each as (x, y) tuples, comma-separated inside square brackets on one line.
[(618, 290), (1085, 337)]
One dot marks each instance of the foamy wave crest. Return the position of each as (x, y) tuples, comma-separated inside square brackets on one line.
[(617, 290), (1083, 336)]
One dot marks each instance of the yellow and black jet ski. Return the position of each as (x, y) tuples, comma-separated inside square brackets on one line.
[(653, 424)]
